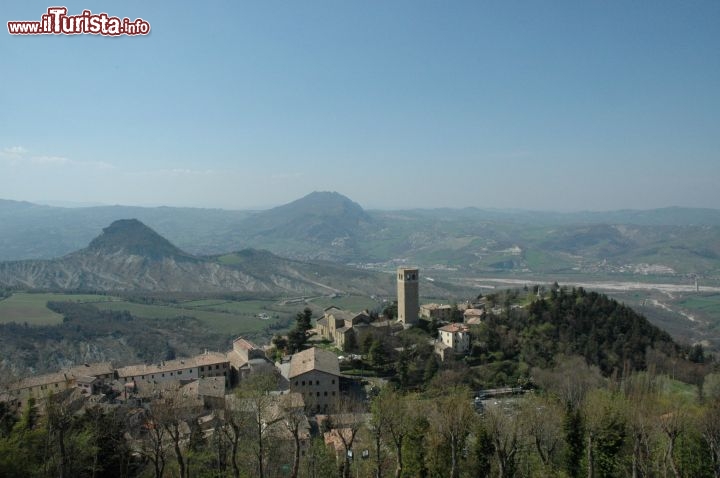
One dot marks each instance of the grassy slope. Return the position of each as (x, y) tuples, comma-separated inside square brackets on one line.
[(31, 308)]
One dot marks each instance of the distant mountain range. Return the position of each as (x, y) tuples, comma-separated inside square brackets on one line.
[(330, 227), (129, 256)]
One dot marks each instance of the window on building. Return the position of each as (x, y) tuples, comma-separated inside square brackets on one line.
[(179, 372), (326, 394), (296, 382), (317, 382), (333, 394), (333, 381), (217, 366), (303, 383), (56, 385), (202, 369), (318, 394)]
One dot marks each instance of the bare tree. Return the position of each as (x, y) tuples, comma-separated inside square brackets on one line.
[(292, 416), (391, 422), (231, 427), (710, 428), (673, 424), (504, 429), (347, 421), (153, 443), (542, 418), (452, 417), (175, 413), (641, 403), (256, 412)]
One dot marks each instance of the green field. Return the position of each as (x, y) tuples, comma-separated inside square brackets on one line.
[(32, 308), (223, 316), (228, 317), (352, 303), (706, 304)]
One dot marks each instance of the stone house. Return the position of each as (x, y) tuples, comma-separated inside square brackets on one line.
[(453, 339), (338, 326), (315, 374), (440, 312), (209, 364)]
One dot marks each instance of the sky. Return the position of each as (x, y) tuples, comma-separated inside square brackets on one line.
[(542, 105)]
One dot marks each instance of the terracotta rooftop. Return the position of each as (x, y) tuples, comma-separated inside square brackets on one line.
[(208, 358), (66, 375), (453, 328), (244, 344), (314, 359), (474, 313)]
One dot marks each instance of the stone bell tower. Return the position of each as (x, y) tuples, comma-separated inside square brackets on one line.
[(408, 295)]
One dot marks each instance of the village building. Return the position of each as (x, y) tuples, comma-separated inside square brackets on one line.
[(440, 312), (88, 377), (473, 316), (209, 364), (315, 374), (246, 358), (347, 330), (209, 390), (343, 328), (453, 339)]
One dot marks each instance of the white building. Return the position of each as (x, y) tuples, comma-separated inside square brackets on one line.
[(453, 338), (209, 364)]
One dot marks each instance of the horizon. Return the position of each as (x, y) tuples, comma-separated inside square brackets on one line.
[(80, 205), (599, 106)]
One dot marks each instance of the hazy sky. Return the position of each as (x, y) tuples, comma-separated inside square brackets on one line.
[(244, 104)]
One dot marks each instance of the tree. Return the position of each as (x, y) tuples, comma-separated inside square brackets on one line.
[(431, 368), (296, 340), (152, 445), (280, 342), (255, 412), (319, 461), (605, 432), (347, 422), (542, 419), (414, 443), (391, 311), (392, 422), (293, 419), (304, 320), (574, 431), (175, 413), (710, 429), (673, 424), (452, 418), (376, 355)]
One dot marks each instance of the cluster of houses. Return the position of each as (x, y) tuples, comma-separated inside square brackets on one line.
[(313, 373), (346, 330), (310, 379)]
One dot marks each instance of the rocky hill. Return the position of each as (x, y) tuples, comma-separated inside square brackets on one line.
[(129, 256), (327, 226), (321, 225)]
